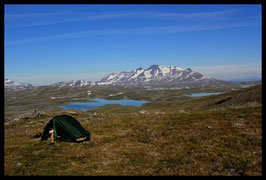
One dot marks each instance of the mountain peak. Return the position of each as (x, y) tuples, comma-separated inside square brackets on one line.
[(73, 83), (15, 85), (154, 74), (155, 66)]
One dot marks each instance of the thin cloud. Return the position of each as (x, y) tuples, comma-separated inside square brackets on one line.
[(228, 72), (145, 30), (195, 15), (76, 19), (22, 15), (91, 17)]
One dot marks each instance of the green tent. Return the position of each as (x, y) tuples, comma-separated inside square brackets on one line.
[(66, 128)]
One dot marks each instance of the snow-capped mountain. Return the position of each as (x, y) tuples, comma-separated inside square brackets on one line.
[(78, 83), (155, 74), (15, 85)]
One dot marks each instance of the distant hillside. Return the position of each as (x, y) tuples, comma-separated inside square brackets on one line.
[(156, 76), (15, 85), (246, 97), (78, 83)]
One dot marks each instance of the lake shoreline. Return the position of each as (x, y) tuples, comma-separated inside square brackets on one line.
[(98, 102)]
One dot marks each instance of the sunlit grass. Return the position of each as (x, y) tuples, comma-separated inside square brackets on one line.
[(201, 140)]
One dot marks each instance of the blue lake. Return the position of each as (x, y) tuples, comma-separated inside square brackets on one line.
[(101, 102), (203, 94)]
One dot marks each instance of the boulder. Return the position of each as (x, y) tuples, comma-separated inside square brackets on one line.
[(238, 125), (143, 112), (27, 116), (181, 111), (159, 113)]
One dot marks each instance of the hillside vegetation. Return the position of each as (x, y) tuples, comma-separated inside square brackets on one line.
[(174, 135)]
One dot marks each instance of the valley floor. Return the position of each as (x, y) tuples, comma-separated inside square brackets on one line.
[(199, 140)]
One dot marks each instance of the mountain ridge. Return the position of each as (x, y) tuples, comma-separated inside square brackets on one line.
[(73, 83), (153, 75), (15, 85)]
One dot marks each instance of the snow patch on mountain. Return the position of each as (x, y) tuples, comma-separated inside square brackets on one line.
[(73, 83), (15, 85), (154, 74)]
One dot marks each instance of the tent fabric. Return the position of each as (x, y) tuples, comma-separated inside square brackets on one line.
[(66, 128)]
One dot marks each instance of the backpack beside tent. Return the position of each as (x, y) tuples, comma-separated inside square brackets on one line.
[(65, 128)]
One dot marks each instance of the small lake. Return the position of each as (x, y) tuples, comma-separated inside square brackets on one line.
[(203, 94), (101, 102)]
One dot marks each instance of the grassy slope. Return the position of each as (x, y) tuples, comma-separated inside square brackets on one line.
[(224, 141), (247, 97)]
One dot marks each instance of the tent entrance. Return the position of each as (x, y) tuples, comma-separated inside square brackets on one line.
[(46, 129)]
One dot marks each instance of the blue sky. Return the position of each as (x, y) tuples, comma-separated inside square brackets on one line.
[(45, 44)]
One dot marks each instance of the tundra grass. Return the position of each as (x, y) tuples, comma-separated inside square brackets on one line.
[(218, 142), (175, 135)]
